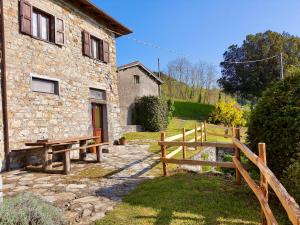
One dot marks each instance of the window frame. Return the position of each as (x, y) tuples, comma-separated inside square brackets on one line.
[(91, 89), (136, 79), (50, 18), (99, 50), (47, 79)]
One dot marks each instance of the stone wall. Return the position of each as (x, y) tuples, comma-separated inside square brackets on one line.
[(129, 91), (1, 115), (34, 115)]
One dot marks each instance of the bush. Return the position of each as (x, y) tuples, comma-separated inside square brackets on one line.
[(276, 121), (228, 114), (25, 209), (153, 113), (292, 178)]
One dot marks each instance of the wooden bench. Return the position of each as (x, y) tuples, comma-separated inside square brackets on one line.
[(48, 149), (67, 157)]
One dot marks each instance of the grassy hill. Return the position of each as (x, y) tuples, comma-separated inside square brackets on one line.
[(192, 110)]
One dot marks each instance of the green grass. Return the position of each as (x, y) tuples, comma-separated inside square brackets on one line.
[(192, 110), (187, 199)]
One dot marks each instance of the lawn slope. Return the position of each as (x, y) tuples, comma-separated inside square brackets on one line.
[(187, 199)]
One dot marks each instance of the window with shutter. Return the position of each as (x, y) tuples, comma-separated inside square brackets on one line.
[(60, 32), (40, 24), (26, 17), (105, 52), (86, 43)]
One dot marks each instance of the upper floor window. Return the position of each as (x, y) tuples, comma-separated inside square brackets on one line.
[(95, 47), (136, 79), (41, 25)]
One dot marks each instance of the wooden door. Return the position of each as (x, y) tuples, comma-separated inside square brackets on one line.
[(97, 117)]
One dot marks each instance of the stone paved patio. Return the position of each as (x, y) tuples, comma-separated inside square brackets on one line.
[(83, 199)]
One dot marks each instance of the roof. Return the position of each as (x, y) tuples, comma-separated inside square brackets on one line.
[(87, 7), (140, 65)]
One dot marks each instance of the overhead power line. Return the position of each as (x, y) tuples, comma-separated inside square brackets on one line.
[(251, 61)]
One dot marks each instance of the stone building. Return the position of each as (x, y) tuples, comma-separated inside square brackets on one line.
[(59, 73), (135, 80)]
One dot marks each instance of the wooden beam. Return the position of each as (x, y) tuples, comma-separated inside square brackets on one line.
[(183, 147), (175, 137), (198, 144), (263, 181), (198, 162), (163, 153), (288, 202), (257, 191), (219, 135)]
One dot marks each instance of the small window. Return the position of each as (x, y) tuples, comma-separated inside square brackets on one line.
[(136, 79), (97, 94), (41, 25), (95, 48), (45, 86)]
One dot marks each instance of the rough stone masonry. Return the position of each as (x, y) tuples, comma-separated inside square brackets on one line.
[(34, 115)]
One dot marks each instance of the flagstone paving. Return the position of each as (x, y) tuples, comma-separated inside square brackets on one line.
[(86, 198)]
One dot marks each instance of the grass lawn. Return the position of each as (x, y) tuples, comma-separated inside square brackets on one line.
[(189, 199), (186, 198)]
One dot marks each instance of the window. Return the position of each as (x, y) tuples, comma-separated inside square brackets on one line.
[(136, 79), (44, 85), (95, 48), (97, 94), (41, 25)]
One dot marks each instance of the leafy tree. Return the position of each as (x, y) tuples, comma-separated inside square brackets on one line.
[(228, 114), (276, 121), (250, 80)]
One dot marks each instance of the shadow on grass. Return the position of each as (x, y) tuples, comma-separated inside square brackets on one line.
[(187, 199)]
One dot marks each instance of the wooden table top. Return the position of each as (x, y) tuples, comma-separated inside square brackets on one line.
[(61, 141)]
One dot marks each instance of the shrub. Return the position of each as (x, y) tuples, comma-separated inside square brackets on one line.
[(152, 113), (171, 109), (276, 121), (25, 209), (228, 114), (292, 178)]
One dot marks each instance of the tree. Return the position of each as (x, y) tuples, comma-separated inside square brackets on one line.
[(250, 80)]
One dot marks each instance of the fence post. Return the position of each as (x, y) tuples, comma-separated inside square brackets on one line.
[(237, 154), (196, 136), (205, 131), (201, 135), (183, 139), (163, 153), (263, 181)]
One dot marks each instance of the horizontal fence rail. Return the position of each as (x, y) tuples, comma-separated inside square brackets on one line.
[(267, 177)]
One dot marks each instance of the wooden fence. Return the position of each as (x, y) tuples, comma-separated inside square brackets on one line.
[(267, 178)]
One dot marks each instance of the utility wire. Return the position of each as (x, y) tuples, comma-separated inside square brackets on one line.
[(251, 61), (147, 44)]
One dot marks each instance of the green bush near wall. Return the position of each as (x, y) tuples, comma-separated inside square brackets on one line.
[(153, 113)]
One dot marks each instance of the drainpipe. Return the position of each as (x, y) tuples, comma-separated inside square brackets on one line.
[(4, 93)]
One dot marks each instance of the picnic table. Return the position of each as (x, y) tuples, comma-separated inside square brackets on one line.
[(64, 147)]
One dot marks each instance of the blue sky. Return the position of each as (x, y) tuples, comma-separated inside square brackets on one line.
[(201, 29)]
